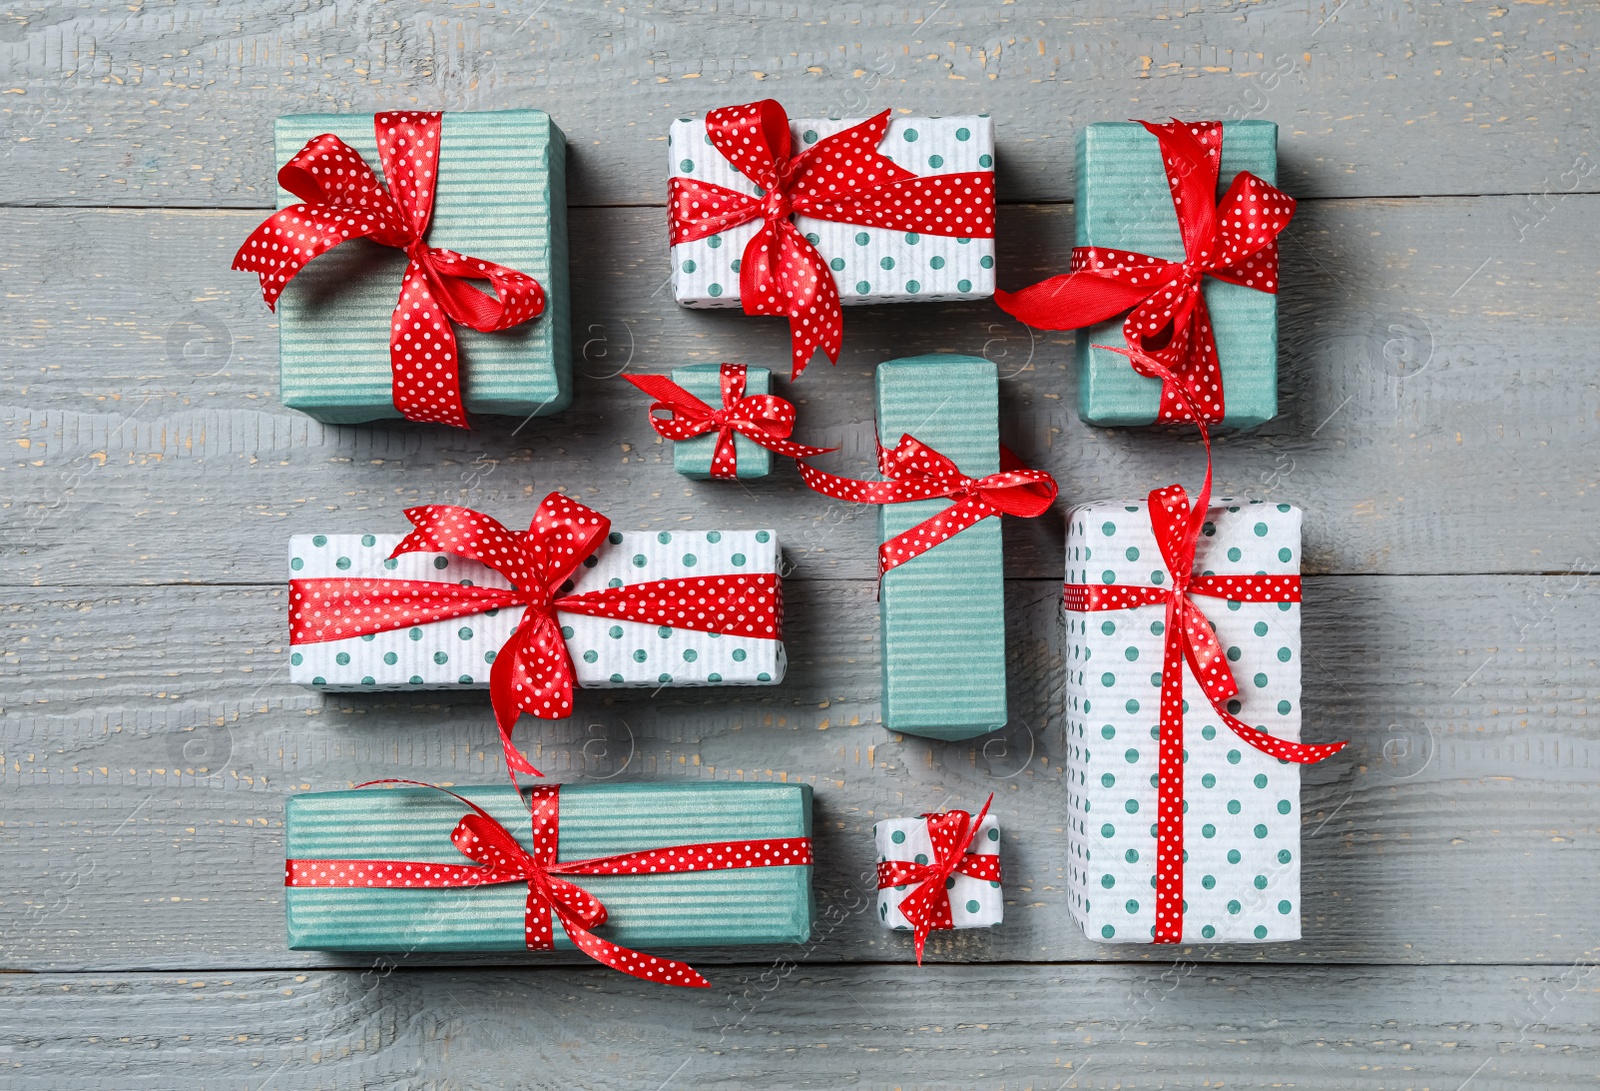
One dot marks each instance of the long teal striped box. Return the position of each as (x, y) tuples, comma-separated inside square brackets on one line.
[(741, 906), (942, 614), (1123, 201), (500, 196)]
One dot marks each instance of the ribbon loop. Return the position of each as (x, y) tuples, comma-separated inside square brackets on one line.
[(343, 199)]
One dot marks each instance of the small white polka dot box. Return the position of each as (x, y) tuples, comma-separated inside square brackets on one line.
[(1241, 807), (869, 264), (606, 653), (329, 833), (1123, 201), (974, 902)]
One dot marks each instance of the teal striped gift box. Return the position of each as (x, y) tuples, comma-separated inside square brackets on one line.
[(500, 196), (742, 906), (943, 624), (1123, 202), (692, 457)]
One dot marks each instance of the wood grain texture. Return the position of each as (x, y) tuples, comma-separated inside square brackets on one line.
[(808, 1025), (172, 103)]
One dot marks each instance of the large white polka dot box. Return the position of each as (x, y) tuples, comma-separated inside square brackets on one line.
[(1239, 879), (734, 572)]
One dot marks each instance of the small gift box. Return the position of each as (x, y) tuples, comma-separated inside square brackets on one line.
[(724, 420), (939, 871), (793, 217), (602, 868), (942, 593), (1196, 291), (359, 324), (1192, 780), (569, 601)]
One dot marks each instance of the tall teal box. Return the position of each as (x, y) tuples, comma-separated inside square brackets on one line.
[(692, 457), (1123, 202), (746, 905), (500, 196), (942, 614)]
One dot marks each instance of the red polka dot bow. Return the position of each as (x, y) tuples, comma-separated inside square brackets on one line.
[(500, 858), (928, 906), (842, 178), (1189, 637), (533, 672), (761, 418), (916, 471), (1235, 240), (343, 200)]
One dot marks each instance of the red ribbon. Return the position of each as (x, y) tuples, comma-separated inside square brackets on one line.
[(761, 418), (928, 906), (916, 471), (502, 859), (1189, 637), (344, 200), (533, 672), (1235, 239), (843, 178)]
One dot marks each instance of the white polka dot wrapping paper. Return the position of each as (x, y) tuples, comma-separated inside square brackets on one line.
[(1241, 818), (974, 903), (870, 264), (457, 653)]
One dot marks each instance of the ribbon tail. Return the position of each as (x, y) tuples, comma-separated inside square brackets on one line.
[(1070, 301), (504, 676), (423, 355), (931, 532), (724, 459), (665, 971)]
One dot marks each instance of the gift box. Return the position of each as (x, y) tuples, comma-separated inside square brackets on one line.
[(605, 652), (970, 877), (1240, 806), (738, 871), (500, 197), (942, 614), (692, 457), (869, 264), (1124, 203)]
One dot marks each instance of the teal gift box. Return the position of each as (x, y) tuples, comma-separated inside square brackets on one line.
[(1123, 202), (500, 196), (942, 614), (748, 905), (692, 457)]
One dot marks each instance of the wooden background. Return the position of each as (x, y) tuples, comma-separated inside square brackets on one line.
[(1439, 321)]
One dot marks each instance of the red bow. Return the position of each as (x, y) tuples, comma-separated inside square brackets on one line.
[(761, 418), (502, 859), (533, 672), (1189, 637), (344, 200), (918, 472), (1235, 240), (843, 178), (928, 906)]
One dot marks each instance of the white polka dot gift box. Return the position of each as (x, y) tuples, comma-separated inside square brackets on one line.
[(794, 217), (603, 868), (1183, 742), (463, 602), (939, 871)]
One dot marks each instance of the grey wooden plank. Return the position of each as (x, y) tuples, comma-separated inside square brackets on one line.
[(172, 104), (808, 1025), (150, 740), (1431, 409)]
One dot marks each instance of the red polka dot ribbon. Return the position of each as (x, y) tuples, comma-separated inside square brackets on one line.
[(761, 418), (343, 200), (928, 906), (501, 858), (1189, 637), (1235, 239), (916, 471), (533, 672), (842, 178)]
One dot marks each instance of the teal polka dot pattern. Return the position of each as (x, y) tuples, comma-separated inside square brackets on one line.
[(922, 145), (434, 655), (974, 903), (1241, 807)]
